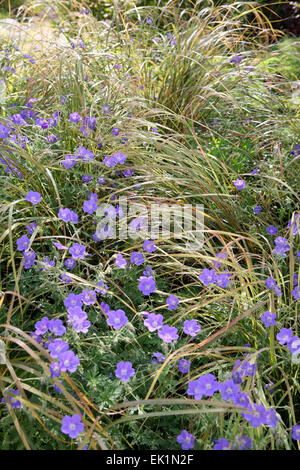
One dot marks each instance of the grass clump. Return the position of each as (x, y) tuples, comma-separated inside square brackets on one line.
[(150, 341)]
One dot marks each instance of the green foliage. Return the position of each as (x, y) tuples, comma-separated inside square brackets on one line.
[(195, 122)]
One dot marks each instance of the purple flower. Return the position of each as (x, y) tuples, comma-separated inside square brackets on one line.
[(296, 432), (86, 178), (147, 272), (17, 119), (254, 171), (257, 417), (116, 319), (281, 241), (271, 419), (222, 279), (257, 210), (42, 326), (57, 347), (124, 371), (84, 131), (69, 161), (93, 196), (207, 276), (218, 264), (270, 283), (78, 319), (47, 263), (147, 285), (72, 426), (65, 278), (36, 337), (248, 369), (105, 307), (115, 131), (102, 288), (184, 366), (88, 297), (294, 345), (191, 327), (110, 212), (270, 387), (119, 158), (74, 117), (33, 197), (73, 300), (55, 369), (66, 214), (295, 220), (138, 223), (129, 172), (222, 444), (29, 259), (23, 243), (69, 263), (208, 384), (4, 131), (56, 387), (149, 246), (236, 59), (59, 246), (158, 357), (172, 302), (68, 361), (120, 262), (77, 251), (168, 334), (137, 258), (296, 293), (277, 291), (241, 399), (239, 184), (237, 377), (272, 230), (90, 206), (100, 180), (31, 227), (282, 246), (15, 403), (186, 440), (52, 139), (268, 318), (195, 390), (154, 321), (84, 154), (91, 122), (56, 327), (228, 389)]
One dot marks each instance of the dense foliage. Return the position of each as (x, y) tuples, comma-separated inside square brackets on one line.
[(150, 341)]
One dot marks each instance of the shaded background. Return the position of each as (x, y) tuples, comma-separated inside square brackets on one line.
[(284, 15)]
